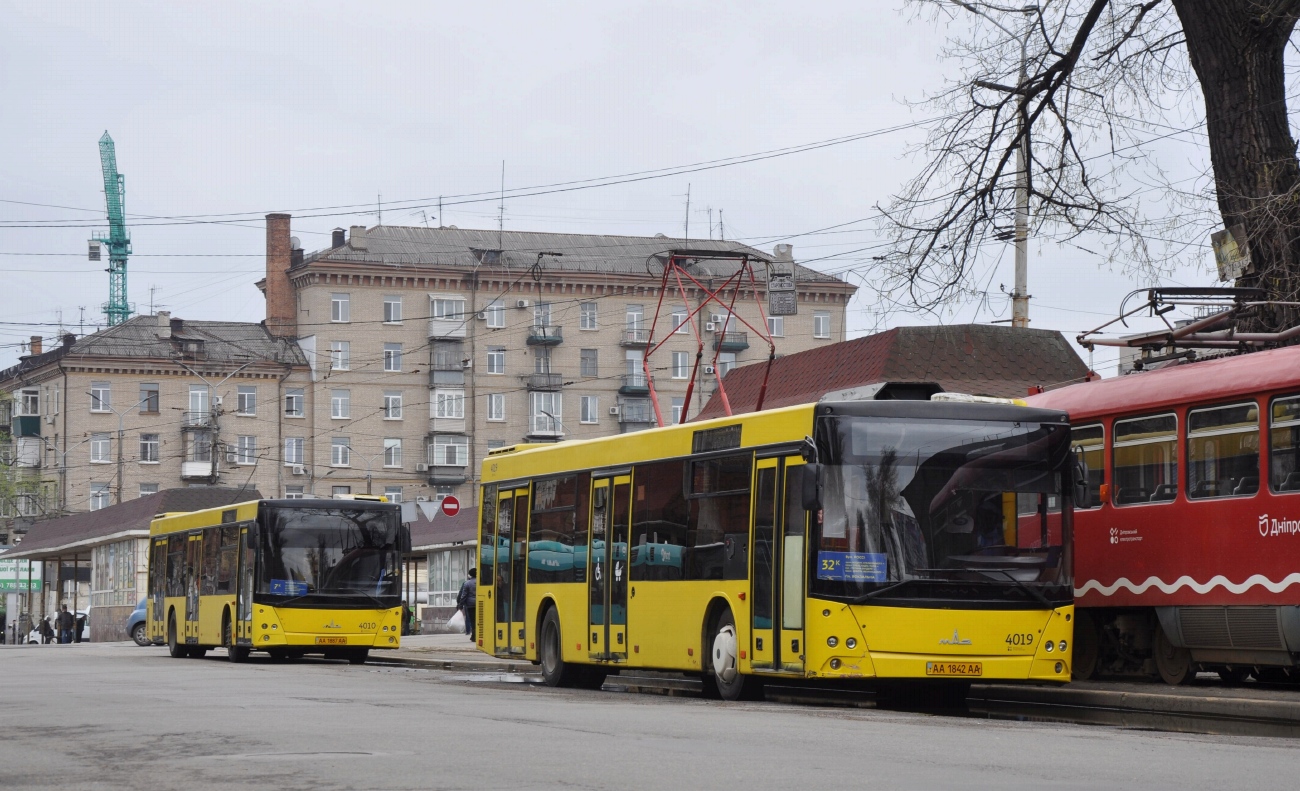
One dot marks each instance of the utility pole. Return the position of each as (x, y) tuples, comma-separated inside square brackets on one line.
[(1020, 295)]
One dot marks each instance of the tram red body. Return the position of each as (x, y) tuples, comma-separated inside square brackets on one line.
[(1219, 551)]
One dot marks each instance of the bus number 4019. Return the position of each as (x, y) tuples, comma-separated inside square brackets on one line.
[(1019, 639)]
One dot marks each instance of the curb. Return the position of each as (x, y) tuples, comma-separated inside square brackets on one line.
[(466, 665), (1281, 712)]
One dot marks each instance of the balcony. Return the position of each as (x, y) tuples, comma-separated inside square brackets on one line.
[(196, 470), (635, 414), (447, 374), (549, 381), (636, 338), (448, 327), (634, 384), (193, 420), (734, 341), (545, 335), (27, 426)]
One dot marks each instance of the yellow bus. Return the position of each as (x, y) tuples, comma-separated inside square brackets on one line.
[(288, 577), (839, 540)]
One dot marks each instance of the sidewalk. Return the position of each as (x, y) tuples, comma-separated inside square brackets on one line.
[(450, 652)]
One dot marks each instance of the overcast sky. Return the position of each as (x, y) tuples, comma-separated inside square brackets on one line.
[(241, 109)]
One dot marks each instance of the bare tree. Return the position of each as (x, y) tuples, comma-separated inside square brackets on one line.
[(1083, 88)]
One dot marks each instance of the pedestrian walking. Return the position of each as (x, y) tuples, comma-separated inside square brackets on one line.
[(466, 600), (67, 622), (47, 631)]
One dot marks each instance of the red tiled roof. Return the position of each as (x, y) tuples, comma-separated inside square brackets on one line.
[(130, 517), (980, 359)]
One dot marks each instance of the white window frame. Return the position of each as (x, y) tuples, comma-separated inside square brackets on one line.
[(726, 363), (246, 401), (496, 360), (28, 403), (633, 317), (101, 449), (340, 404), (151, 487), (496, 407), (150, 450), (340, 355), (392, 308), (297, 398), (294, 451), (392, 452), (681, 365), (340, 308), (679, 406), (441, 443), (246, 449), (393, 357), (776, 326), (546, 402), (681, 322), (449, 404), (495, 312), (295, 493), (101, 396), (822, 324), (447, 308), (100, 496), (595, 360), (393, 494), (589, 409), (340, 452), (392, 405), (588, 316)]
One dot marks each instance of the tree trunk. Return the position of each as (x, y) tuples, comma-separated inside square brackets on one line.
[(1237, 49)]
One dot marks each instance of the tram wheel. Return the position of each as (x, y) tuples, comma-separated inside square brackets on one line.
[(555, 671), (174, 648), (1174, 664), (1087, 646), (1233, 674)]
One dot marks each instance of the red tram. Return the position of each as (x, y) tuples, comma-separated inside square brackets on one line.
[(1187, 555)]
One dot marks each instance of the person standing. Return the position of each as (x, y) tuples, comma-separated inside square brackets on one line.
[(66, 624), (466, 600)]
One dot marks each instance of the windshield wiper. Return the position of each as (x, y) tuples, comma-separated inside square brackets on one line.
[(881, 591), (1037, 594)]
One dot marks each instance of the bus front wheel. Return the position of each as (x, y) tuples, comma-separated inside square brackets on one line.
[(555, 671), (726, 678), (174, 647), (235, 653)]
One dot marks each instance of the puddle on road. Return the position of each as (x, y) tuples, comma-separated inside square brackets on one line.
[(495, 678)]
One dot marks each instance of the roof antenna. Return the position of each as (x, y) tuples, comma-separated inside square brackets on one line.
[(501, 207), (686, 230)]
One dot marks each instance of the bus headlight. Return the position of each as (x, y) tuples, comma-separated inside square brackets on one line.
[(1050, 648), (1062, 645), (1059, 667), (832, 641), (835, 663), (851, 643)]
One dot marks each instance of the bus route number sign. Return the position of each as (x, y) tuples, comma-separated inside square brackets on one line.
[(852, 566)]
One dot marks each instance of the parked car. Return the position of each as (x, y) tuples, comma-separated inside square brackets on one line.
[(136, 625)]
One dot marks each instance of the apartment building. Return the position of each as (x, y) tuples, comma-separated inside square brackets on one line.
[(151, 404), (427, 347)]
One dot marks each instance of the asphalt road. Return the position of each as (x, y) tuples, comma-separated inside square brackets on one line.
[(119, 716)]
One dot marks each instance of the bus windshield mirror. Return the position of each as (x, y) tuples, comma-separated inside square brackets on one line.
[(812, 487)]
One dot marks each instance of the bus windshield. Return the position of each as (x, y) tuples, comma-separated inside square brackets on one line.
[(330, 556), (942, 511)]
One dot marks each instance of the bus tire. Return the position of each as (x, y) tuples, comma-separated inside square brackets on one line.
[(555, 671), (1174, 664), (174, 647), (197, 652), (1087, 646), (235, 653), (724, 659), (591, 678), (358, 656)]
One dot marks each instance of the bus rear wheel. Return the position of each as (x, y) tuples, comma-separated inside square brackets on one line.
[(174, 647), (358, 656), (555, 671)]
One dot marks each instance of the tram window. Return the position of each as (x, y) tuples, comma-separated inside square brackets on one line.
[(1146, 459), (1223, 451), (553, 529), (1284, 445), (662, 540), (1090, 443), (211, 549)]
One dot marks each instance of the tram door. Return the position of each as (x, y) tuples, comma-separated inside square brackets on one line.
[(511, 569), (611, 511), (777, 582), (193, 569)]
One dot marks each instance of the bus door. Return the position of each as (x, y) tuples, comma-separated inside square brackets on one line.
[(511, 569), (611, 512), (777, 581), (193, 568), (244, 581), (158, 589)]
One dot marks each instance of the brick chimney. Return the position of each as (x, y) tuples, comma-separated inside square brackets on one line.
[(36, 345), (281, 306)]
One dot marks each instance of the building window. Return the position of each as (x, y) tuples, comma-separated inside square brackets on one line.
[(293, 450), (449, 451), (149, 448), (101, 397), (335, 491), (99, 449), (149, 401), (493, 444), (340, 452), (449, 404), (339, 307), (726, 361), (681, 365), (98, 496), (200, 448), (392, 405), (681, 325), (588, 362), (776, 326), (495, 314), (199, 413), (542, 360), (545, 414), (679, 406), (635, 317), (294, 493), (147, 489), (392, 356), (590, 407), (496, 406), (392, 309), (340, 403), (542, 314), (340, 355), (246, 450), (392, 452), (496, 360), (447, 309), (393, 493), (247, 401), (587, 316), (821, 324), (293, 402), (29, 403)]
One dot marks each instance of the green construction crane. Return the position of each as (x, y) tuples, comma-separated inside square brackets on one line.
[(117, 238)]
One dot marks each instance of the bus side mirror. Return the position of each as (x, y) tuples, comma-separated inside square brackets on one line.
[(249, 542), (812, 487)]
